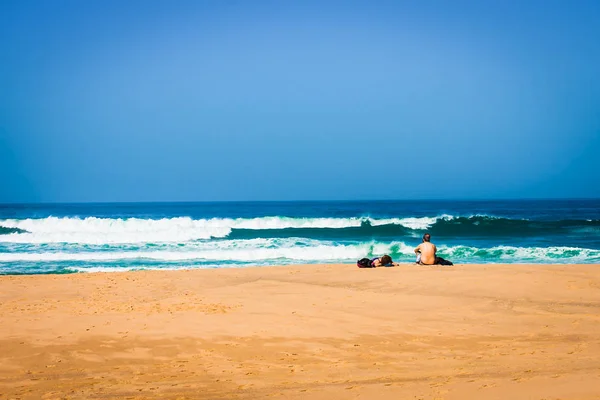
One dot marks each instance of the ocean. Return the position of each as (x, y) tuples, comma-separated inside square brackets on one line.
[(71, 238)]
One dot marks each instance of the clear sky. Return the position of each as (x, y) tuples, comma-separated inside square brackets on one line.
[(251, 100)]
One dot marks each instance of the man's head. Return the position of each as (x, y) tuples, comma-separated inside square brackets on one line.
[(385, 260), (426, 237)]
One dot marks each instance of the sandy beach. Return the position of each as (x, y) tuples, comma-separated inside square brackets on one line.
[(304, 332)]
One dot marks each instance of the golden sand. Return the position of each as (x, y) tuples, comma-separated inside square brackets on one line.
[(304, 332)]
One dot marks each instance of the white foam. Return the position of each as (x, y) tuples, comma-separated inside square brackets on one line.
[(93, 230), (411, 223), (547, 253)]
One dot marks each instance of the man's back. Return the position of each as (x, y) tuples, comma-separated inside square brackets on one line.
[(427, 250)]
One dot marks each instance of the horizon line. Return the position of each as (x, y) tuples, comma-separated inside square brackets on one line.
[(131, 202)]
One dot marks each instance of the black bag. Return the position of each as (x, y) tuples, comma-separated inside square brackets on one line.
[(364, 263), (441, 261)]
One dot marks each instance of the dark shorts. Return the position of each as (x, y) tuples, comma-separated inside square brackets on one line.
[(438, 261)]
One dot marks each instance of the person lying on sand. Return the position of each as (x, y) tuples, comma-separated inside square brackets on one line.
[(384, 261), (426, 253)]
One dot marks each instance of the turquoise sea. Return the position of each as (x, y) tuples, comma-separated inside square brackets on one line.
[(67, 238)]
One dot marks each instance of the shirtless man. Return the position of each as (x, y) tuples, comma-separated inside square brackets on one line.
[(427, 252)]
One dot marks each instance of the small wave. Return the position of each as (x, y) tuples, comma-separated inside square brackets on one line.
[(228, 250), (10, 230), (521, 254), (410, 222), (324, 253), (487, 226)]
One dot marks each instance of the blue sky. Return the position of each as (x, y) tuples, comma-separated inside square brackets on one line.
[(251, 100)]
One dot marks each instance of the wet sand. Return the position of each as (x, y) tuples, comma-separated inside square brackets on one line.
[(304, 332)]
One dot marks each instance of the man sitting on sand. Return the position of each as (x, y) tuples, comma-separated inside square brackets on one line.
[(426, 253)]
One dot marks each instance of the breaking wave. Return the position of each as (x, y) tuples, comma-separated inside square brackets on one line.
[(94, 230)]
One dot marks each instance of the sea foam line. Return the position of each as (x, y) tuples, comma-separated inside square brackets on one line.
[(322, 252), (307, 250)]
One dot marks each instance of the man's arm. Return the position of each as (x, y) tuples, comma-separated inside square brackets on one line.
[(418, 249), (434, 250)]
